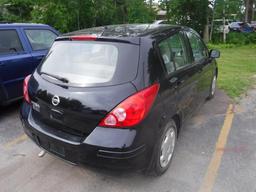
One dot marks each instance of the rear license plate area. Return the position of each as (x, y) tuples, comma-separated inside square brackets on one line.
[(56, 149), (56, 115)]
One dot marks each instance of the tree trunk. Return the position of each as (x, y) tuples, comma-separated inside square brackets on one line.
[(206, 31), (151, 4), (167, 10), (249, 10)]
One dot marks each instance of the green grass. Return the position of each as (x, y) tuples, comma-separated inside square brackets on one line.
[(237, 69)]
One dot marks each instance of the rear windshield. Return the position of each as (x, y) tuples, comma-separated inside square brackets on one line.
[(91, 63)]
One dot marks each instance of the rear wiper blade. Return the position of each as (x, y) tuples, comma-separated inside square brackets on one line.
[(63, 79)]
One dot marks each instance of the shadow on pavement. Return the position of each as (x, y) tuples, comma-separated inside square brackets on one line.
[(10, 109)]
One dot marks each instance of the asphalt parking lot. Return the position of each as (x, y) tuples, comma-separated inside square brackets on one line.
[(215, 152)]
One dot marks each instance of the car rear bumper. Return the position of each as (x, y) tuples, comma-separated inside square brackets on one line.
[(104, 147)]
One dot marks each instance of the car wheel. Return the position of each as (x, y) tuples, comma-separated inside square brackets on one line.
[(213, 87), (164, 150)]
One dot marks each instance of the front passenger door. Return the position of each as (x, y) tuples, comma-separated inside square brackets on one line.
[(203, 62)]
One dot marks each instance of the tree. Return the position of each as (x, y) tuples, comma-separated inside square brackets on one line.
[(16, 10), (186, 12), (233, 9), (54, 13), (139, 12), (165, 5), (249, 12), (70, 15)]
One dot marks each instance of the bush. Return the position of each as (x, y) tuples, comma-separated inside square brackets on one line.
[(220, 46), (217, 38), (252, 38), (235, 38)]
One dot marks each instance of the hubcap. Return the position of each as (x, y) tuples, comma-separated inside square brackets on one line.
[(167, 147), (214, 85)]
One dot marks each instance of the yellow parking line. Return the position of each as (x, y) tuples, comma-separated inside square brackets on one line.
[(17, 140), (213, 167)]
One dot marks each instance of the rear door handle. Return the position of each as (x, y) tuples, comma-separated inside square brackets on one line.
[(173, 80), (176, 82)]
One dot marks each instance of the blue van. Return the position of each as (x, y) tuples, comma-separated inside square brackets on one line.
[(22, 47)]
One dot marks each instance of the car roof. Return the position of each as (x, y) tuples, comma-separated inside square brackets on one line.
[(23, 25), (124, 30)]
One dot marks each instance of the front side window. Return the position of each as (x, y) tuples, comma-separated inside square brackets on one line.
[(9, 42), (40, 39), (178, 51), (199, 50)]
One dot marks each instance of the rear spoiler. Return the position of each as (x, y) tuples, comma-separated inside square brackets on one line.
[(130, 40)]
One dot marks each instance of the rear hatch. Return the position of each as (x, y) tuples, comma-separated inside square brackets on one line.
[(79, 82)]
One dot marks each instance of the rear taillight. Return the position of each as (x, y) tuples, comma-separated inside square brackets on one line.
[(25, 89), (132, 110)]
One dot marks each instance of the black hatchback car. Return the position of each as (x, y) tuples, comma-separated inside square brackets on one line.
[(117, 96)]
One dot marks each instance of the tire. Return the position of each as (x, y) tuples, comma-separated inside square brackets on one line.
[(212, 87), (158, 165), (2, 96)]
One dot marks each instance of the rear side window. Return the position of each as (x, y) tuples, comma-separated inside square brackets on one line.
[(40, 39), (165, 51), (173, 52), (199, 50), (9, 42), (88, 62)]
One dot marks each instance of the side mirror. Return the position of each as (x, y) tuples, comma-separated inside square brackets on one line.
[(214, 53)]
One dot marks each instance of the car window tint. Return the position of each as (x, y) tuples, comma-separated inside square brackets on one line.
[(9, 42), (166, 56), (199, 50), (173, 53), (178, 51), (40, 39)]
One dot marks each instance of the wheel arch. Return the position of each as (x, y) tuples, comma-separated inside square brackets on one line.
[(178, 121), (3, 94), (217, 71)]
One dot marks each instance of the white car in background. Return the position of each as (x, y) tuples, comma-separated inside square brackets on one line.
[(218, 26), (253, 24), (160, 22)]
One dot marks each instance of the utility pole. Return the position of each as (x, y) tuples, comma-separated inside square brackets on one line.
[(253, 9), (213, 15), (224, 22)]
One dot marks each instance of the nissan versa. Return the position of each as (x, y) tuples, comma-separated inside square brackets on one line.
[(117, 96)]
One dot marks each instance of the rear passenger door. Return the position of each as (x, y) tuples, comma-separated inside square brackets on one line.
[(181, 75), (14, 62), (40, 40)]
